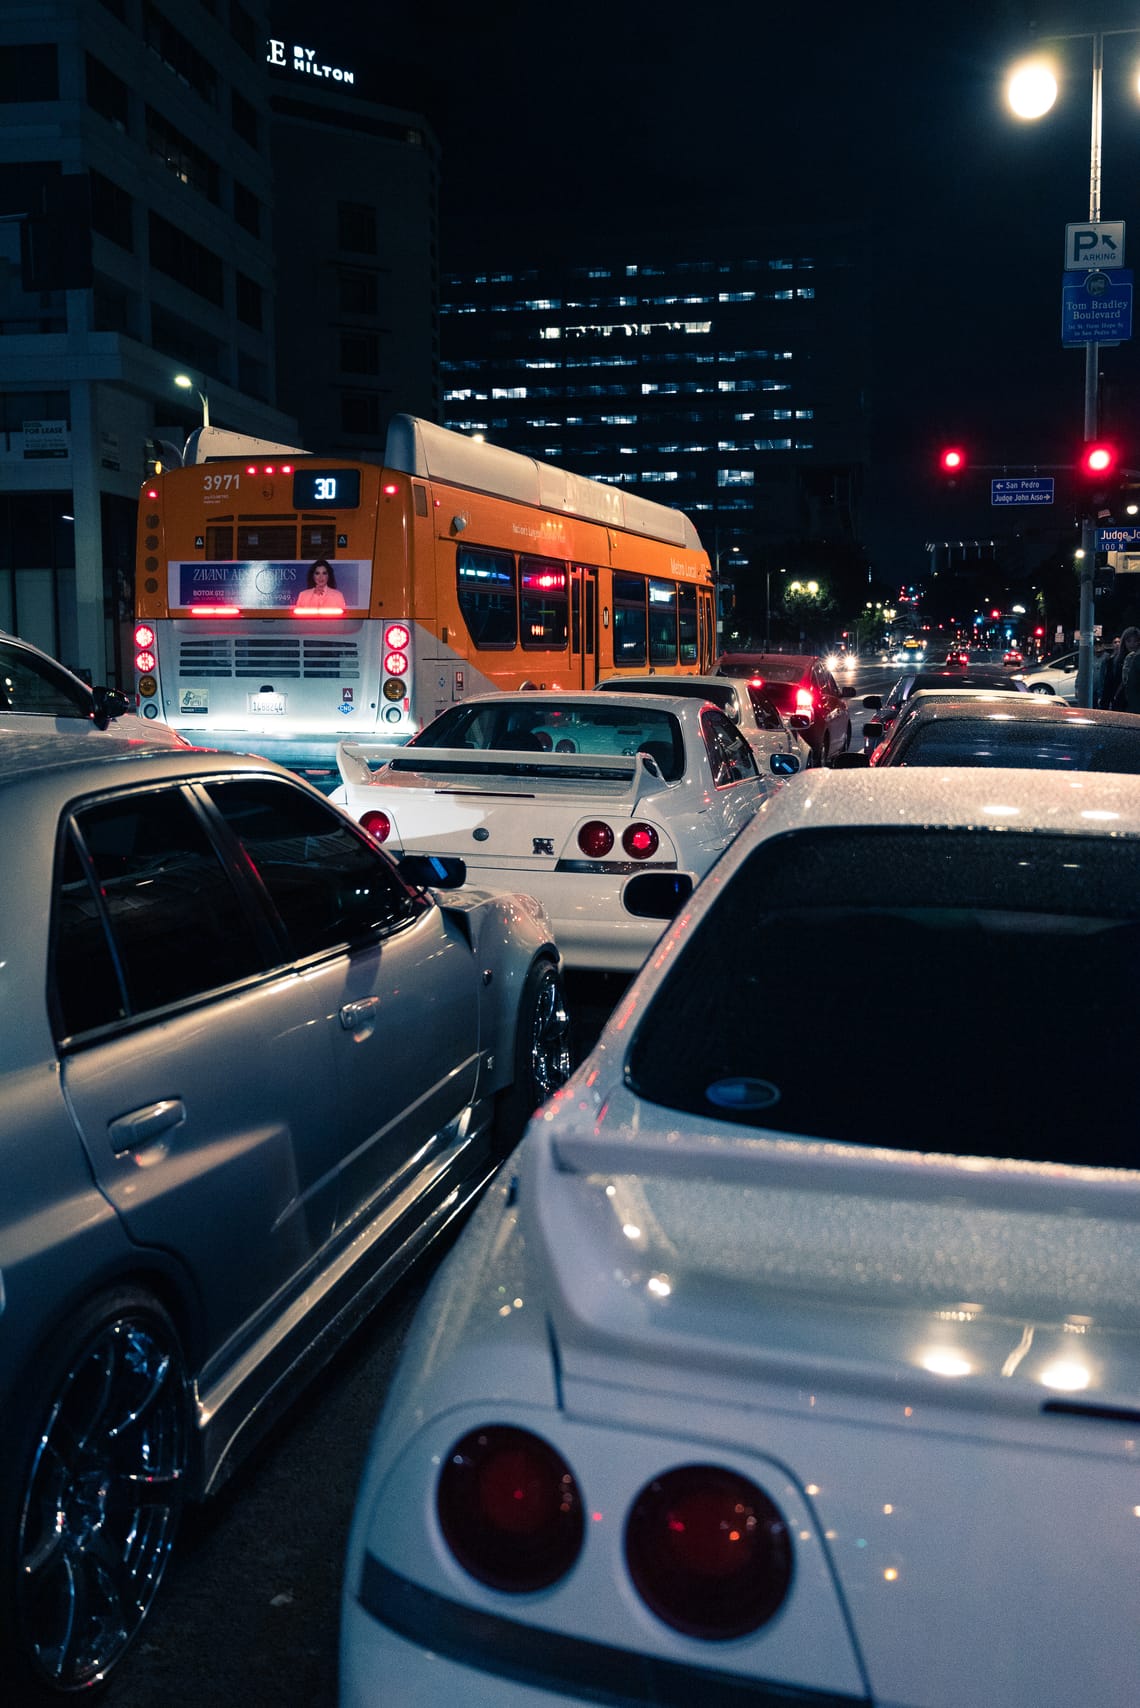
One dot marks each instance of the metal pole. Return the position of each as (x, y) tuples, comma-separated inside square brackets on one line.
[(768, 610), (1087, 619)]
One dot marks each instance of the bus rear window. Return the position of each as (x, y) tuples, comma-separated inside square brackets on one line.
[(486, 587)]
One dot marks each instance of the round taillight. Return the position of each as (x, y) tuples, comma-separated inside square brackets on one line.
[(509, 1509), (144, 636), (395, 664), (397, 635), (708, 1552), (595, 839), (145, 661), (639, 841), (377, 824)]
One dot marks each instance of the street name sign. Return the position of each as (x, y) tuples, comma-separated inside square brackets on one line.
[(1097, 243), (1096, 308), (1117, 539), (1022, 489)]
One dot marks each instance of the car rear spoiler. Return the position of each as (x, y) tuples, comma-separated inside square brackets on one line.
[(636, 770)]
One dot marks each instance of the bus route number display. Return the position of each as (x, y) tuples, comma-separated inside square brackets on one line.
[(326, 489)]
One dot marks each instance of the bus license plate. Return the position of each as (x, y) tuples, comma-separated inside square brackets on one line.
[(274, 703)]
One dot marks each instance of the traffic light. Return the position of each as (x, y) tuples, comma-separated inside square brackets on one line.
[(1100, 472), (952, 463)]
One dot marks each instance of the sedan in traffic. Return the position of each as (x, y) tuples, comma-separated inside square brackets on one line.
[(911, 682), (595, 802), (804, 691), (949, 729), (768, 1371), (1056, 676), (40, 696), (251, 1069), (743, 699)]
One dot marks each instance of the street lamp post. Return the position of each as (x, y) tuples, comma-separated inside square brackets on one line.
[(185, 383), (1031, 92)]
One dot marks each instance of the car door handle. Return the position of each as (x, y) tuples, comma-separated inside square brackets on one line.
[(355, 1014), (142, 1126)]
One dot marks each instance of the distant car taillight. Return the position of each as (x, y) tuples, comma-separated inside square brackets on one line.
[(377, 824), (640, 841), (509, 1509), (595, 839), (708, 1552), (805, 702)]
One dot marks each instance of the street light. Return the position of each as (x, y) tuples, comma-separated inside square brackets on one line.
[(1031, 91), (185, 383)]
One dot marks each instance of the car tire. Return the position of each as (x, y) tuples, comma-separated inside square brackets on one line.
[(824, 753), (543, 1054), (847, 738), (1040, 688), (95, 1453)]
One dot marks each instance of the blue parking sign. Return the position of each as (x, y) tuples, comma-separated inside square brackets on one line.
[(1097, 308)]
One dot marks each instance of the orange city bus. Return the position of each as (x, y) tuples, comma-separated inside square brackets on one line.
[(454, 568)]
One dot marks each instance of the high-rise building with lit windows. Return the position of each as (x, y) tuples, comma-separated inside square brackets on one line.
[(733, 386)]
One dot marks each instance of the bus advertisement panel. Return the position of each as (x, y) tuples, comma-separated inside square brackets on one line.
[(284, 603)]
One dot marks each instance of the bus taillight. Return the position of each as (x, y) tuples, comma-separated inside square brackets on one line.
[(215, 611), (396, 664), (144, 636), (145, 662), (396, 635)]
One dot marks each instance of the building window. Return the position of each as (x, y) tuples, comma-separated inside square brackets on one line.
[(245, 32), (29, 72), (111, 211), (359, 353), (360, 412), (356, 227), (176, 52), (247, 209), (178, 256), (358, 291), (248, 303), (106, 94), (243, 118), (736, 477), (189, 163)]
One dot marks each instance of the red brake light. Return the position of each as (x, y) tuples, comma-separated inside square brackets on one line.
[(805, 700), (755, 681), (708, 1552), (377, 824), (390, 489), (216, 611), (509, 1509), (145, 661), (396, 664), (398, 636), (640, 841), (144, 636), (595, 839)]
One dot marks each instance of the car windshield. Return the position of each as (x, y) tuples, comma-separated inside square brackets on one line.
[(1035, 745), (536, 723), (966, 985)]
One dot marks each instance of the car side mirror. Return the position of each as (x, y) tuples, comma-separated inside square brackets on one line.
[(797, 721), (872, 702), (784, 764), (432, 871), (849, 761), (109, 703)]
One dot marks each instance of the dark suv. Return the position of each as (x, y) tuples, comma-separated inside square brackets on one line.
[(803, 689)]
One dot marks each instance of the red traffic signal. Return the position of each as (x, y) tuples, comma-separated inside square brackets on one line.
[(1098, 460), (952, 460)]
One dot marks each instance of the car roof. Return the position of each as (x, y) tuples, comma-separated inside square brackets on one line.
[(966, 797), (750, 660), (46, 755), (946, 703), (982, 678)]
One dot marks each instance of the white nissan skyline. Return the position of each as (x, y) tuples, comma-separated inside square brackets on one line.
[(773, 1373), (597, 803)]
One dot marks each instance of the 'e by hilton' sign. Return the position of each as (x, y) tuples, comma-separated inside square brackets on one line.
[(305, 59)]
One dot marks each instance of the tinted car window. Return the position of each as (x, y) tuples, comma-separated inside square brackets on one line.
[(326, 882), (30, 685), (86, 983), (734, 1031), (763, 708), (731, 757), (1033, 746), (174, 916)]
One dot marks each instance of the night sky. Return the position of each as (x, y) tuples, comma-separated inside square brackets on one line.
[(567, 130)]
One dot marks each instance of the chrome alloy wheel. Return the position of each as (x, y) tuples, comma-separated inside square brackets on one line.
[(550, 1054), (102, 1500)]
